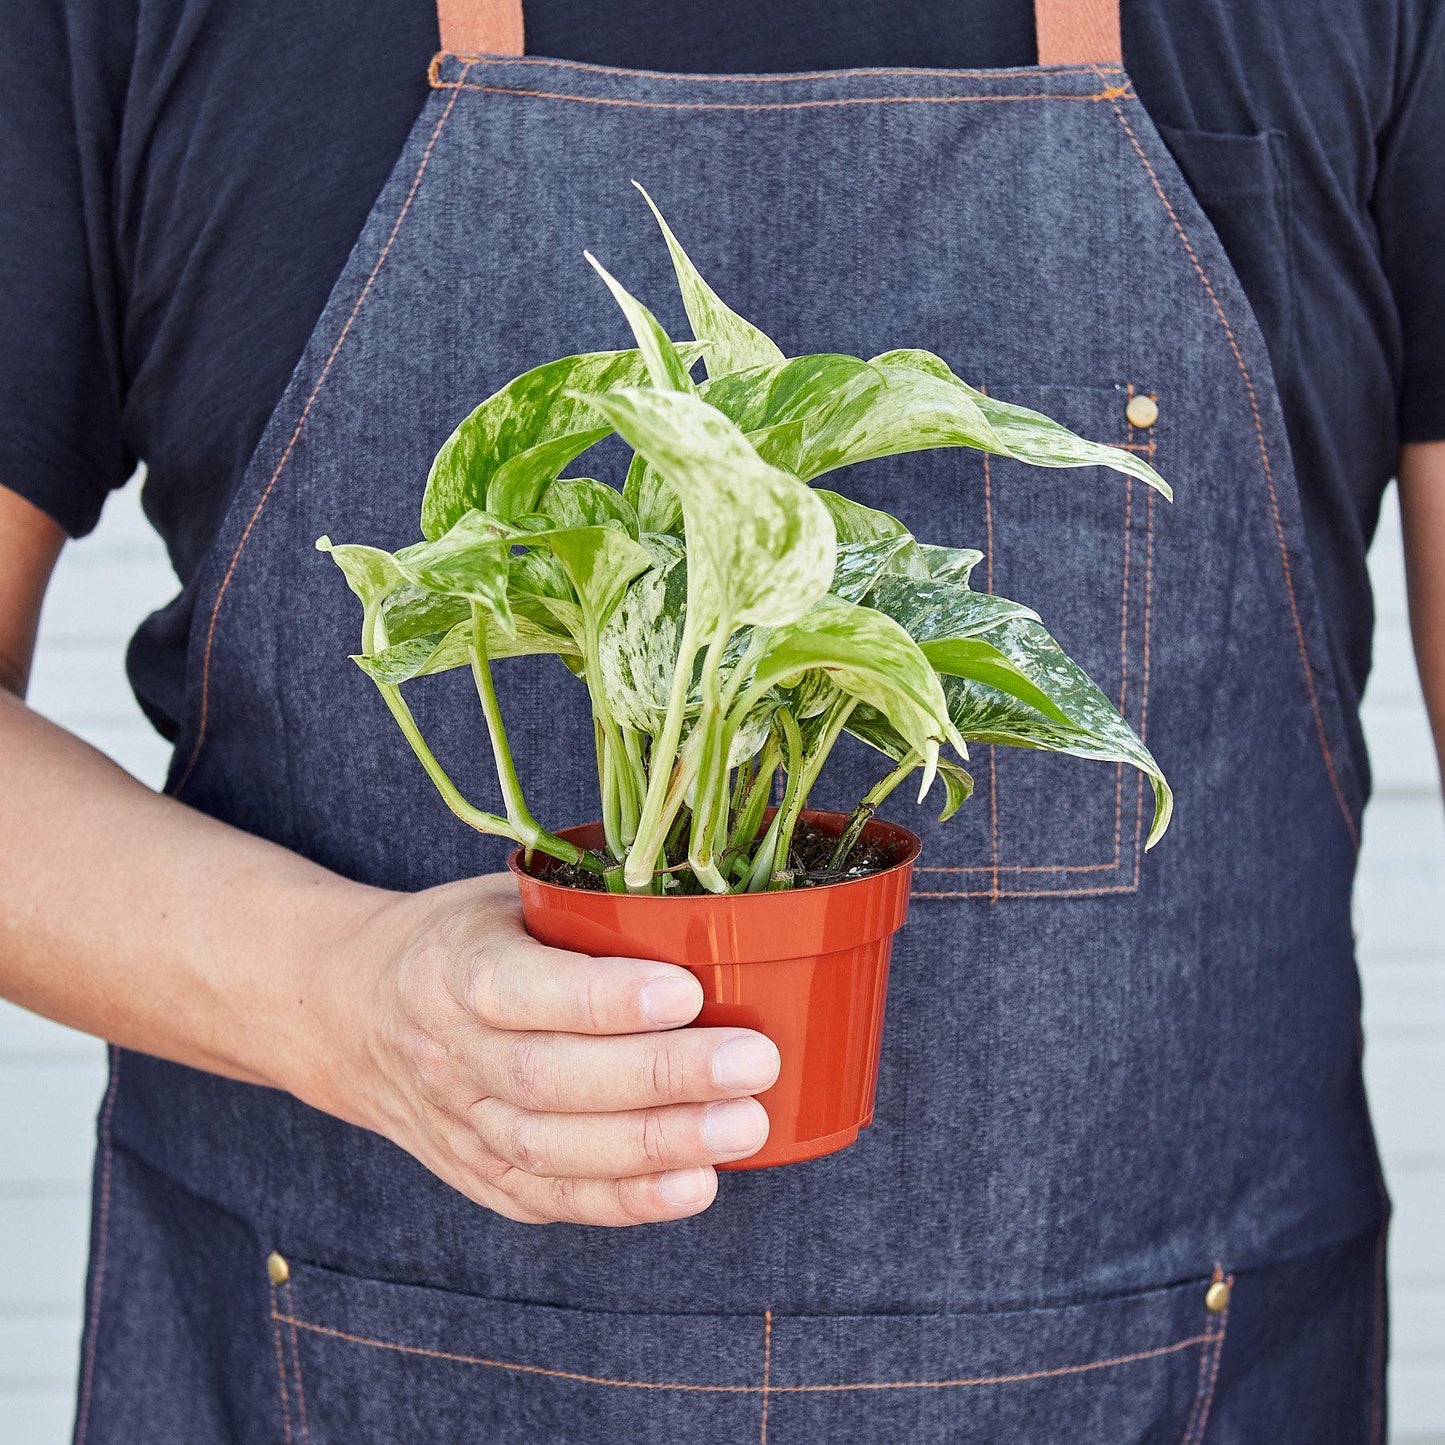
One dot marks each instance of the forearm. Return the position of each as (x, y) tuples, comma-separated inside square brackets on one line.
[(1422, 508), (134, 918)]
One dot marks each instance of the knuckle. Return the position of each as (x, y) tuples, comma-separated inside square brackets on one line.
[(635, 1202), (667, 1071), (653, 1140), (529, 1074), (525, 1144), (431, 1063), (565, 1198), (595, 1001), (486, 987)]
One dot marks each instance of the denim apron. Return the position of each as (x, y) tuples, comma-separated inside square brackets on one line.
[(1121, 1184)]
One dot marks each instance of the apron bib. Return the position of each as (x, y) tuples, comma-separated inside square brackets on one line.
[(1121, 1184)]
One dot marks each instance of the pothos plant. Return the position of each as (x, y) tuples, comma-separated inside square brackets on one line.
[(729, 619)]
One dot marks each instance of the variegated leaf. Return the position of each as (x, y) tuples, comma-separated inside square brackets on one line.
[(1094, 730), (585, 502), (428, 653), (369, 572), (521, 437), (733, 342), (1025, 435), (869, 657), (666, 368), (637, 645), (469, 560), (760, 544)]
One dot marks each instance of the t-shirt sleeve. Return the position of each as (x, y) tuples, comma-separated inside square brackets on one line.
[(60, 407), (1410, 211)]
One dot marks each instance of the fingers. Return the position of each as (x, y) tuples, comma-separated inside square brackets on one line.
[(579, 1074), (652, 1199), (610, 1146), (524, 985)]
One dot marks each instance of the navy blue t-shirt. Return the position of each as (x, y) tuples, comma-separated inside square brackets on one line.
[(181, 182)]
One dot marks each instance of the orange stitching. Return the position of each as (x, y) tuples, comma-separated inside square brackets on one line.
[(1202, 1378), (291, 444), (281, 1368), (1268, 476), (296, 1361), (680, 75), (618, 101), (92, 1324), (995, 868), (746, 1389), (767, 1370), (1027, 892), (1194, 1435)]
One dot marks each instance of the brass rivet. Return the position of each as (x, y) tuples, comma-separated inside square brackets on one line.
[(280, 1271), (1216, 1297), (1142, 410)]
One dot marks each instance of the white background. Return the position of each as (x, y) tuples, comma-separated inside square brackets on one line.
[(51, 1080)]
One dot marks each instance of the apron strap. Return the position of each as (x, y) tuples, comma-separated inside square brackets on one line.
[(1071, 32), (1078, 32), (481, 27)]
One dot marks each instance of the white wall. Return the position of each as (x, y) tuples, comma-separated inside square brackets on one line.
[(50, 1079)]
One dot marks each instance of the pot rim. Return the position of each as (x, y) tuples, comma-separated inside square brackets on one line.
[(812, 815)]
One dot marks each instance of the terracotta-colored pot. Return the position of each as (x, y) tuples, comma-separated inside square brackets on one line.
[(808, 967)]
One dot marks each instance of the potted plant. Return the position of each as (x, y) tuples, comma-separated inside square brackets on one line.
[(730, 621)]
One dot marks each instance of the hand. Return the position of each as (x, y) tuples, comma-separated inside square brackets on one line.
[(546, 1085)]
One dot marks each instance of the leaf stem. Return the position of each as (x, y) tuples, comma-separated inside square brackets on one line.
[(865, 810)]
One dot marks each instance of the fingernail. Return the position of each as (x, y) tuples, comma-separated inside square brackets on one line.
[(681, 1187), (750, 1062), (737, 1127), (671, 999)]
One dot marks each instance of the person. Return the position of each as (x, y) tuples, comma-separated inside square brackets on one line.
[(1121, 1184)]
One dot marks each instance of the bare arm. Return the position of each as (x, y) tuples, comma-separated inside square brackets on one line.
[(540, 1083), (1422, 510)]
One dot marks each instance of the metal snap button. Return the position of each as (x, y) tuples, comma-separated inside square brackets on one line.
[(1142, 411), (1216, 1297), (277, 1268)]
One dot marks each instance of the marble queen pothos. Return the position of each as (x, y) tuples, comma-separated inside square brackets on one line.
[(729, 619)]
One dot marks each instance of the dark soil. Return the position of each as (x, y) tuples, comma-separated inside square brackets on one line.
[(808, 860)]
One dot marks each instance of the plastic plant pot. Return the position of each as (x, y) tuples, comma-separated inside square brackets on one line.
[(808, 967)]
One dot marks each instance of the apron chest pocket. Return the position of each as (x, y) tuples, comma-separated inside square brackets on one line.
[(1077, 546), (365, 1361)]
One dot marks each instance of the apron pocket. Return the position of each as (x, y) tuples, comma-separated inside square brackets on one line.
[(1242, 183), (1076, 545), (371, 1361)]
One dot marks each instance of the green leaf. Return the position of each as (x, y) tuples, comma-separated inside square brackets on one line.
[(950, 564), (733, 342), (656, 504), (930, 609), (469, 560), (429, 653), (638, 644), (875, 730), (869, 657), (1094, 728), (585, 502), (666, 367), (760, 544), (1026, 435), (599, 562), (861, 564), (973, 658), (521, 437), (369, 572)]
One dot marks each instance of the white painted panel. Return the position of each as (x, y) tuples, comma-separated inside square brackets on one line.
[(37, 1417), (41, 1104), (1417, 1241), (44, 1239), (38, 1350), (25, 1035)]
